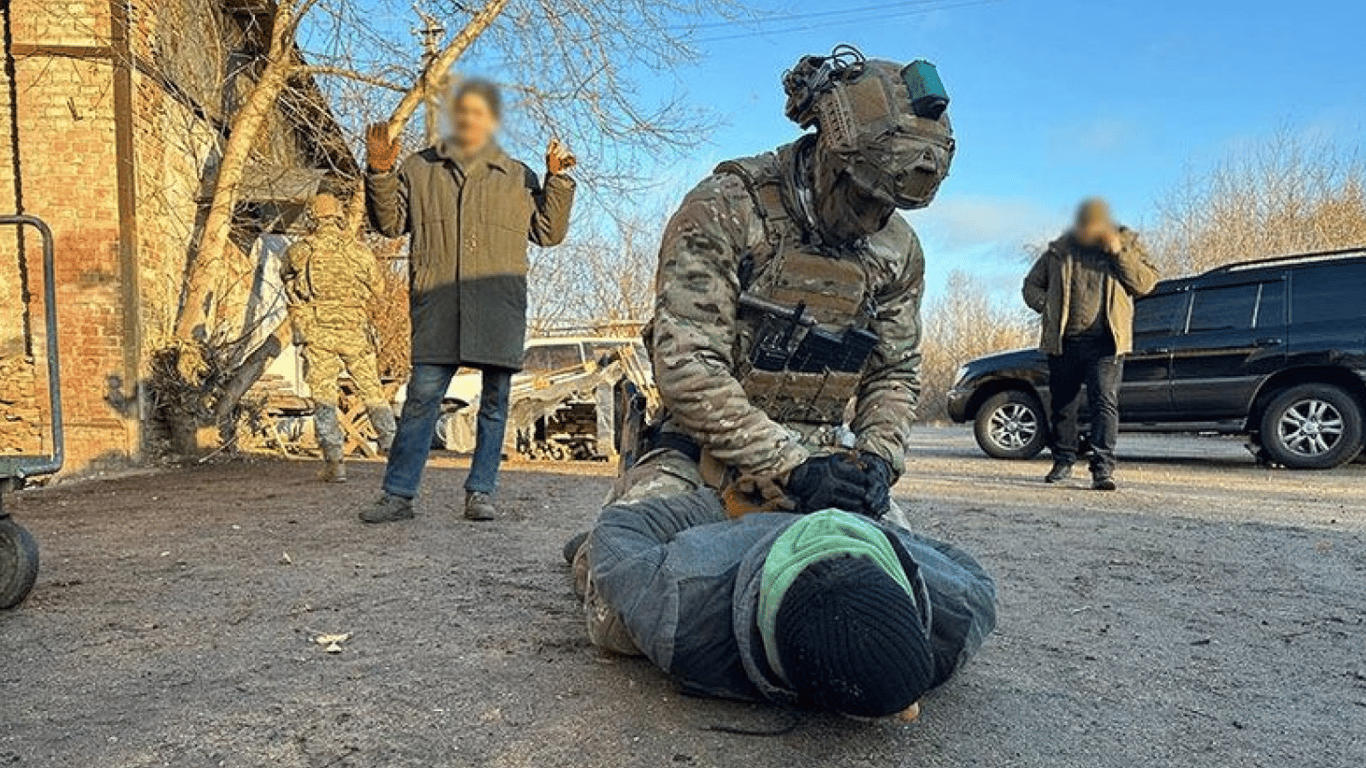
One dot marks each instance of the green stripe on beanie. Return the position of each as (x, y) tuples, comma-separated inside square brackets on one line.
[(851, 640), (814, 538)]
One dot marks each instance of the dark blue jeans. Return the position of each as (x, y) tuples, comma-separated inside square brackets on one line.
[(417, 427), (1089, 361)]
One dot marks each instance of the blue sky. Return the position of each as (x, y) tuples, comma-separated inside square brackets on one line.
[(1054, 100)]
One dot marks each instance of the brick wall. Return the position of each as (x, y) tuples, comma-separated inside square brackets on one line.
[(114, 310), (20, 418), (66, 162)]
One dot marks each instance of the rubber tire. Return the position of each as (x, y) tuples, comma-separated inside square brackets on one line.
[(981, 426), (1346, 449), (18, 563)]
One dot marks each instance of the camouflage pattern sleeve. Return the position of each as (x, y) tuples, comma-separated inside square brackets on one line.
[(697, 288), (290, 264), (368, 269), (890, 389)]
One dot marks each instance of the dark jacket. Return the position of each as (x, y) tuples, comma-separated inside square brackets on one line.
[(1048, 285), (685, 580), (468, 259)]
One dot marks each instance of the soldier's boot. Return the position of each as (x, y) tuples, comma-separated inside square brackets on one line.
[(382, 419), (479, 506), (388, 509), (333, 471)]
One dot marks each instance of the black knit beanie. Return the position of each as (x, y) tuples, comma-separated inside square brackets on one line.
[(850, 640)]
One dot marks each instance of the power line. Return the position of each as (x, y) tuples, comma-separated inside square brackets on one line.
[(921, 11), (804, 16)]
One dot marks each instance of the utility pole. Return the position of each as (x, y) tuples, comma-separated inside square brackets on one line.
[(431, 34)]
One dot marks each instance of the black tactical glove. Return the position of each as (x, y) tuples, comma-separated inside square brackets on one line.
[(828, 482), (854, 483), (878, 498)]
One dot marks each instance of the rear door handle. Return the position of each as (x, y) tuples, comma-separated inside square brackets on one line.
[(1155, 351), (1269, 341)]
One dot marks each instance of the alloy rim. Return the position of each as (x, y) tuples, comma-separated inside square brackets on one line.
[(1310, 427), (1013, 426)]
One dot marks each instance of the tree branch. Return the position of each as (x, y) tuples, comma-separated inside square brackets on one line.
[(349, 74)]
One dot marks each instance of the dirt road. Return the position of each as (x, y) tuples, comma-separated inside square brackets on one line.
[(1209, 614)]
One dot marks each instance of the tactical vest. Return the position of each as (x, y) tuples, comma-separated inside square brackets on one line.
[(331, 279), (803, 335)]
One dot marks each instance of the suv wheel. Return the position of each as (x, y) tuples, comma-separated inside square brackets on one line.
[(1011, 425), (1312, 426)]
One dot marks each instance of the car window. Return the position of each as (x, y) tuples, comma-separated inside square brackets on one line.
[(552, 357), (1229, 308), (1271, 305), (1327, 293), (1159, 314)]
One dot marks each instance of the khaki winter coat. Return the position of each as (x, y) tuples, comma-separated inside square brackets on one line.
[(1048, 287), (468, 258)]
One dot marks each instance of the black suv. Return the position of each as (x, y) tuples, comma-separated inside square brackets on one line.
[(1274, 348)]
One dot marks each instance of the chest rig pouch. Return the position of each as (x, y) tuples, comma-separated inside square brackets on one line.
[(803, 333)]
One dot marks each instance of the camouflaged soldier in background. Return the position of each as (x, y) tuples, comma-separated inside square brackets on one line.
[(788, 288), (331, 280)]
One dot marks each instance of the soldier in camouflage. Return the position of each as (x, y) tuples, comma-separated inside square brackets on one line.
[(788, 288), (788, 306), (331, 280)]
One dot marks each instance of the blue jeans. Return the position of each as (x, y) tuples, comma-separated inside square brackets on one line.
[(417, 427)]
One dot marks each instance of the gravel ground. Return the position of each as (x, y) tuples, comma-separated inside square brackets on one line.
[(1210, 613)]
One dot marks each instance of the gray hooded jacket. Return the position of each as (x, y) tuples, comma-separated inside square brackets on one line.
[(685, 580)]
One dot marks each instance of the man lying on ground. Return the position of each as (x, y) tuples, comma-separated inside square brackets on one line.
[(829, 610)]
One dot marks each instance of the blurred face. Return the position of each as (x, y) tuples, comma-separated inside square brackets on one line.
[(474, 122), (1093, 217)]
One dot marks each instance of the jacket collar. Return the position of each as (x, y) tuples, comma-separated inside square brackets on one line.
[(492, 156)]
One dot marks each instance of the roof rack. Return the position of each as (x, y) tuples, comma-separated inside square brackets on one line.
[(1290, 260)]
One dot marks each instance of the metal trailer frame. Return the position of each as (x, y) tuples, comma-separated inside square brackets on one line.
[(18, 550)]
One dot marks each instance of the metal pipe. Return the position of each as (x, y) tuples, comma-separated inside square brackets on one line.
[(45, 465)]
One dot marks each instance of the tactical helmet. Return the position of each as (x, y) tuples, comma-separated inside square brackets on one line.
[(324, 206), (888, 122)]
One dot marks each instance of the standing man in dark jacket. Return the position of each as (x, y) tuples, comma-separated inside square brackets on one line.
[(470, 210), (1084, 285), (829, 610)]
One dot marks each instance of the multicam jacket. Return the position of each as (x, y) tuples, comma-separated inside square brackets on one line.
[(332, 281), (726, 237)]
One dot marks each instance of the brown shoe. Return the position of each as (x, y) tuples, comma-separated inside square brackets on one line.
[(332, 472), (479, 506)]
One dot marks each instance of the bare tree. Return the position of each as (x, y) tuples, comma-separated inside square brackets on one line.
[(964, 323), (603, 281), (573, 64), (278, 64), (1286, 195)]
